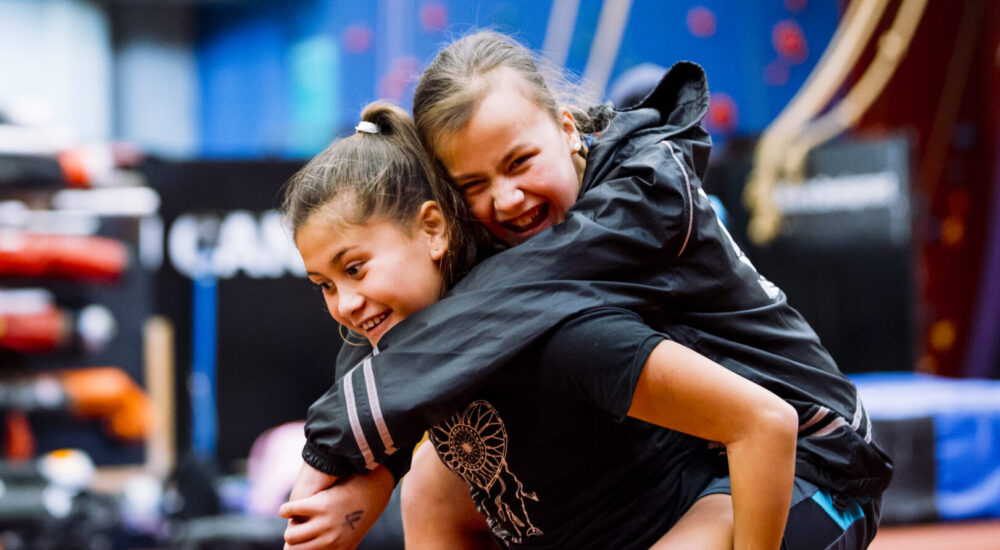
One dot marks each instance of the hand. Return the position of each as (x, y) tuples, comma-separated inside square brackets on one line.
[(309, 482), (337, 517)]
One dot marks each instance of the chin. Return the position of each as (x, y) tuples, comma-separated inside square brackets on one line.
[(381, 331), (522, 237)]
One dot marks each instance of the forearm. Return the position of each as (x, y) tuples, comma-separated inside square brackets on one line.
[(367, 498), (762, 471), (685, 391), (309, 482), (337, 517)]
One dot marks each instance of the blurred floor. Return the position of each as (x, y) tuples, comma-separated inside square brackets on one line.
[(973, 535)]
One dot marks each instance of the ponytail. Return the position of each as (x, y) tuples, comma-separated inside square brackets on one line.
[(383, 170)]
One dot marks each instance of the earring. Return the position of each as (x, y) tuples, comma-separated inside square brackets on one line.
[(347, 338), (576, 146)]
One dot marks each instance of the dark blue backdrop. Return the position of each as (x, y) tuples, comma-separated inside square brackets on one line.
[(282, 78)]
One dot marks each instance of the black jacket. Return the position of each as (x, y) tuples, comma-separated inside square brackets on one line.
[(644, 237)]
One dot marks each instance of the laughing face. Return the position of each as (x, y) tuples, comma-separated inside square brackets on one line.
[(375, 274), (513, 163)]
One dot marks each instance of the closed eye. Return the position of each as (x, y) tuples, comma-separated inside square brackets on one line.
[(469, 187), (470, 184), (519, 162)]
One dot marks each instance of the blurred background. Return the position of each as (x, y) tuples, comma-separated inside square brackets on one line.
[(158, 342)]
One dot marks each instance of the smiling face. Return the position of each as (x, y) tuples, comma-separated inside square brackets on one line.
[(513, 162), (374, 274)]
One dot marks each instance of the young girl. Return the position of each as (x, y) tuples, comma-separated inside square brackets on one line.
[(642, 237), (376, 194), (375, 238)]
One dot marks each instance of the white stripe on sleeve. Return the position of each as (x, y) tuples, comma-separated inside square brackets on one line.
[(383, 430), (352, 415)]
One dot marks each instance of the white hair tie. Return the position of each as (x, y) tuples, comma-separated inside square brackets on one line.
[(367, 127)]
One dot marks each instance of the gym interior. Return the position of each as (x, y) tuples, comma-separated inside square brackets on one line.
[(160, 343)]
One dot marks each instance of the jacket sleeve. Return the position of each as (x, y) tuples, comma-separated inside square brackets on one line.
[(434, 361), (321, 418)]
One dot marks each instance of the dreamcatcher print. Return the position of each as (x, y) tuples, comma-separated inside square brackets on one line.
[(473, 444)]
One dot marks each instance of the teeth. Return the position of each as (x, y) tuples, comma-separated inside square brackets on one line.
[(372, 323), (526, 221)]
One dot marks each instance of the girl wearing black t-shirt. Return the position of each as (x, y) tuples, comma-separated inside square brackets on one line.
[(379, 251), (639, 236)]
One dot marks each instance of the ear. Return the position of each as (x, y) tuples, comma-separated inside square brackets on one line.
[(570, 134), (433, 229)]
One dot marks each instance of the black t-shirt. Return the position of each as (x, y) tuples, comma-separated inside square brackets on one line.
[(550, 456)]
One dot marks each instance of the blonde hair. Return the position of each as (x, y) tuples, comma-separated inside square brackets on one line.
[(458, 78), (385, 174)]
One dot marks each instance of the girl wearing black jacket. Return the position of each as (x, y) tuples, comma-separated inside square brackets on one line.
[(641, 238)]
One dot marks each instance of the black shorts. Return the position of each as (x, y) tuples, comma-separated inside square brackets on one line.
[(816, 522)]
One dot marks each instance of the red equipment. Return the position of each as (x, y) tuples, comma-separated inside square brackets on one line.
[(71, 257)]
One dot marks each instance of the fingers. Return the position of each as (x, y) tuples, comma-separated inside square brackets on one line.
[(333, 519), (317, 535), (302, 532), (318, 544), (315, 544), (293, 509), (308, 506)]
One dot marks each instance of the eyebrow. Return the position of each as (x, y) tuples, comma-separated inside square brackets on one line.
[(338, 255), (336, 259)]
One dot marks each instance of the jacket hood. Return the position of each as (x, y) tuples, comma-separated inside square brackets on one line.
[(674, 108)]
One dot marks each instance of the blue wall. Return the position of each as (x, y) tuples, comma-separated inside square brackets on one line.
[(283, 78)]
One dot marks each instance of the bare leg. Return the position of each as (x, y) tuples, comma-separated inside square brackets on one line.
[(438, 511), (708, 524)]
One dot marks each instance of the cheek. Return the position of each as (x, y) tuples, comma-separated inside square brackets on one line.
[(568, 199), (560, 191), (413, 297), (482, 207), (331, 307), (420, 288)]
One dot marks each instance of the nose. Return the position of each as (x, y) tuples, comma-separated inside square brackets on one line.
[(507, 196), (349, 302)]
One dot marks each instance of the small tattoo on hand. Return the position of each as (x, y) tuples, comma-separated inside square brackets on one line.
[(353, 518)]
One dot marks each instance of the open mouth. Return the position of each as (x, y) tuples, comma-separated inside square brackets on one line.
[(529, 220), (368, 325)]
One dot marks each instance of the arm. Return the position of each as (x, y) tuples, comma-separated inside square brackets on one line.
[(309, 482), (337, 516), (327, 414), (682, 390)]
